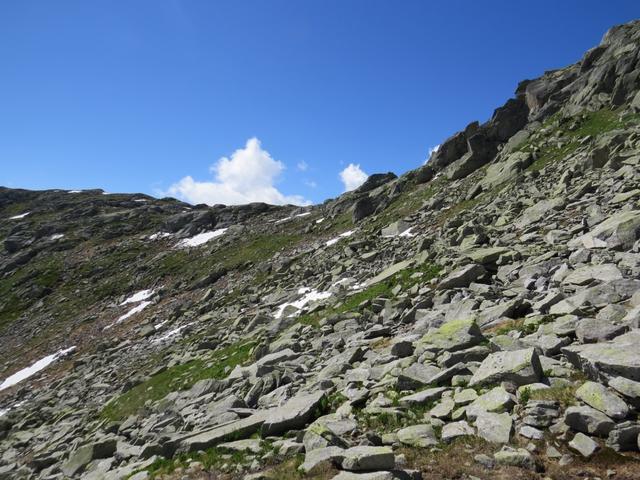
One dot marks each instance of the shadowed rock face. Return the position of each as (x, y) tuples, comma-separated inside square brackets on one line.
[(491, 293)]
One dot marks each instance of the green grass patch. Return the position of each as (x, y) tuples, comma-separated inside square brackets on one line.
[(211, 459), (406, 278), (178, 377), (589, 124)]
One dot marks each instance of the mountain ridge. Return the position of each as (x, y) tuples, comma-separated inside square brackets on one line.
[(487, 298)]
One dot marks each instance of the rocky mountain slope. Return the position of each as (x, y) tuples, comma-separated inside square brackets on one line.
[(475, 318)]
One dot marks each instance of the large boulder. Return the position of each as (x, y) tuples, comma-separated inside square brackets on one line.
[(462, 277), (588, 420), (421, 436), (619, 232), (368, 458), (453, 335), (520, 367), (618, 357), (597, 396), (294, 414)]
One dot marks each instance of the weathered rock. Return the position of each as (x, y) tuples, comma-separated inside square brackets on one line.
[(624, 436), (453, 335), (597, 396), (590, 273), (588, 420), (296, 413), (519, 367), (315, 457), (494, 427), (584, 445), (515, 458), (367, 458), (422, 397), (462, 277), (619, 231), (417, 436), (618, 357), (453, 430)]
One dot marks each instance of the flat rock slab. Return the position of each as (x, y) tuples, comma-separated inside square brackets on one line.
[(453, 335), (584, 445), (315, 457), (462, 277), (365, 458), (588, 420), (496, 400), (494, 427), (619, 231), (239, 429), (599, 397), (512, 457), (296, 413), (453, 430), (423, 397), (585, 275), (253, 445), (600, 295), (385, 475), (618, 357), (520, 367), (418, 436)]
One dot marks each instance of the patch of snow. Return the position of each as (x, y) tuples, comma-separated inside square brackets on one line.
[(286, 219), (74, 191), (137, 309), (140, 200), (333, 241), (158, 235), (158, 326), (56, 236), (350, 283), (201, 238), (407, 234), (174, 332), (309, 295), (320, 220), (18, 217), (138, 296), (34, 368)]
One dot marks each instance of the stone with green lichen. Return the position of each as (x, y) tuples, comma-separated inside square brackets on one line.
[(494, 427), (597, 396), (626, 387), (453, 335), (618, 357), (418, 436), (584, 445), (496, 400), (520, 367)]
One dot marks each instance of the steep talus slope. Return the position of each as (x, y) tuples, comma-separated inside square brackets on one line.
[(476, 317)]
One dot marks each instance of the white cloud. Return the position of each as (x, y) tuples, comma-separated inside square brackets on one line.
[(432, 150), (311, 183), (302, 166), (352, 177), (247, 176)]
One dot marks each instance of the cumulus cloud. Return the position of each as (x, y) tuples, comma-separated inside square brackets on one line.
[(352, 177), (247, 176), (302, 166)]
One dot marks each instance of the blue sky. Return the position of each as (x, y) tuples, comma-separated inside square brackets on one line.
[(150, 95)]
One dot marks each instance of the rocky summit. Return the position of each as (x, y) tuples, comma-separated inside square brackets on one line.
[(476, 318)]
